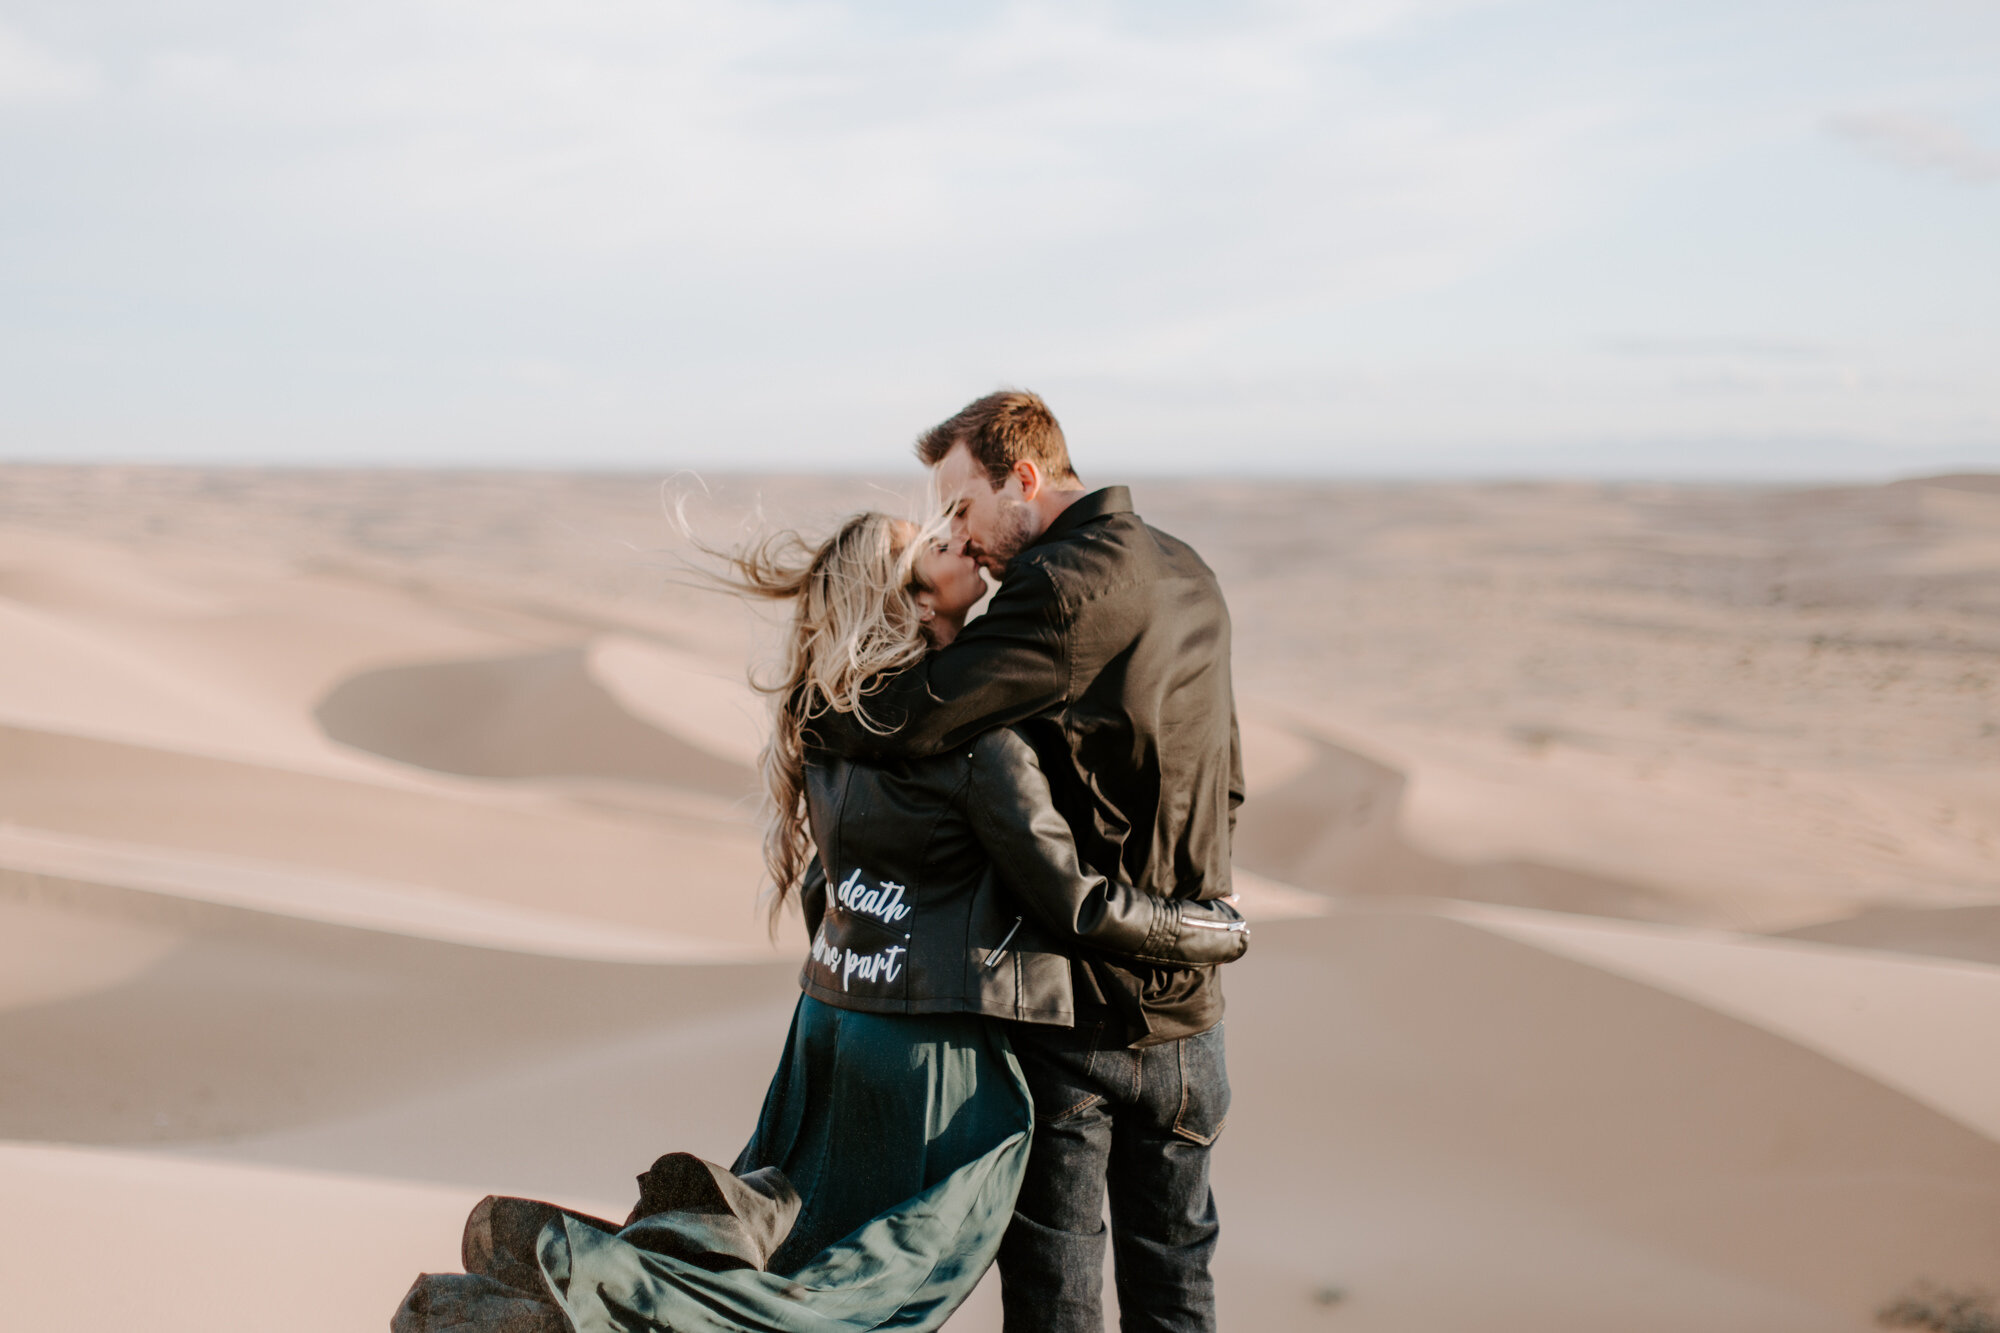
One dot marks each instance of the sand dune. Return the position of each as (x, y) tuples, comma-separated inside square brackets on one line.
[(1431, 1143), (102, 1240), (217, 1022), (1772, 706), (693, 872), (540, 716), (1571, 828), (1323, 817), (1335, 820), (49, 952), (1920, 1026), (693, 697), (349, 900), (368, 844), (1985, 483), (193, 651), (1971, 933)]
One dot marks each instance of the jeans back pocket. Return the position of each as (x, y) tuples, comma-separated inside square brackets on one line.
[(1204, 1077)]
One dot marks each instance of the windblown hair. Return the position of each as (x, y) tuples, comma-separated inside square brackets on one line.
[(855, 622), (1000, 430)]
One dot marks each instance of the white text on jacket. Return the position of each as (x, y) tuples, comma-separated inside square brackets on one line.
[(884, 904), (883, 965)]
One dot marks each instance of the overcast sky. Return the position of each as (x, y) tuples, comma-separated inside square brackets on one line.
[(1419, 237)]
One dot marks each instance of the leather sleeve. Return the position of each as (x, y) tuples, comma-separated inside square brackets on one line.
[(1007, 801), (1236, 784), (1010, 664), (812, 897)]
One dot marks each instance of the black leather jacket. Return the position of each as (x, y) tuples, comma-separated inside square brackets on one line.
[(951, 885)]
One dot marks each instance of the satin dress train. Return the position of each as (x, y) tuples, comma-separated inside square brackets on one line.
[(872, 1195)]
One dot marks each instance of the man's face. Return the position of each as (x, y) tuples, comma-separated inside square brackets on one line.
[(993, 522)]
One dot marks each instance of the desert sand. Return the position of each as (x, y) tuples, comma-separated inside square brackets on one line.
[(1625, 863)]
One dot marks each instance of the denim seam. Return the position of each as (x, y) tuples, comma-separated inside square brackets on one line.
[(1090, 1099), (1180, 1115)]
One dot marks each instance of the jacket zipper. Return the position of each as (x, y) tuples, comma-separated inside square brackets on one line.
[(1005, 940)]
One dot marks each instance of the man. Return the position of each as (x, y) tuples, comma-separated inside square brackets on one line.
[(1107, 645)]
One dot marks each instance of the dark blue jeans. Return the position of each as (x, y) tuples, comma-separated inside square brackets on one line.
[(1136, 1126)]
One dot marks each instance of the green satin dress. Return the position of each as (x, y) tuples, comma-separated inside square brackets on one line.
[(872, 1195)]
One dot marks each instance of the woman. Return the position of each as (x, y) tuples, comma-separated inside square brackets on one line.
[(939, 894)]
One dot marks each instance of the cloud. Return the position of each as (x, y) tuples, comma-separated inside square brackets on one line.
[(1756, 349), (821, 148), (467, 226), (1923, 143), (32, 73)]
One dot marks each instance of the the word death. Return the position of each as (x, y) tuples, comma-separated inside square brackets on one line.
[(884, 904)]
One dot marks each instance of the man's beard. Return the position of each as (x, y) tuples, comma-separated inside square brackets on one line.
[(1017, 529)]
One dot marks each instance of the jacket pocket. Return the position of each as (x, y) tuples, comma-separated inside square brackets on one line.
[(1000, 950), (1204, 1078)]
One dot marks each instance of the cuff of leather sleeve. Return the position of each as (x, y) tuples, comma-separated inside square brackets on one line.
[(1205, 943), (1166, 927)]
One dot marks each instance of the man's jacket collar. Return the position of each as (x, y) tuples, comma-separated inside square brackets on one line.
[(1098, 504)]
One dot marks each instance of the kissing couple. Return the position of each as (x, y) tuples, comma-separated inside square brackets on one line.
[(1009, 836)]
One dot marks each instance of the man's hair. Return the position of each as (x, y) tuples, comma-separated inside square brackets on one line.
[(1001, 430)]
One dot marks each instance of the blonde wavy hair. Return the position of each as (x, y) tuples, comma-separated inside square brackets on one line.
[(855, 622)]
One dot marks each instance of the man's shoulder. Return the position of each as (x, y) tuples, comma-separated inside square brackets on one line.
[(1118, 551), (1179, 553)]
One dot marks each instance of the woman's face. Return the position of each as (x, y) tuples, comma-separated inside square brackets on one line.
[(949, 582)]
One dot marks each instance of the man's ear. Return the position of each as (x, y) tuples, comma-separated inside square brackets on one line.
[(1030, 477)]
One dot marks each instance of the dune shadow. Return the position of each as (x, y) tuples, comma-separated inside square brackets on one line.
[(1337, 827), (536, 716), (1969, 933), (1321, 828), (254, 1022)]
